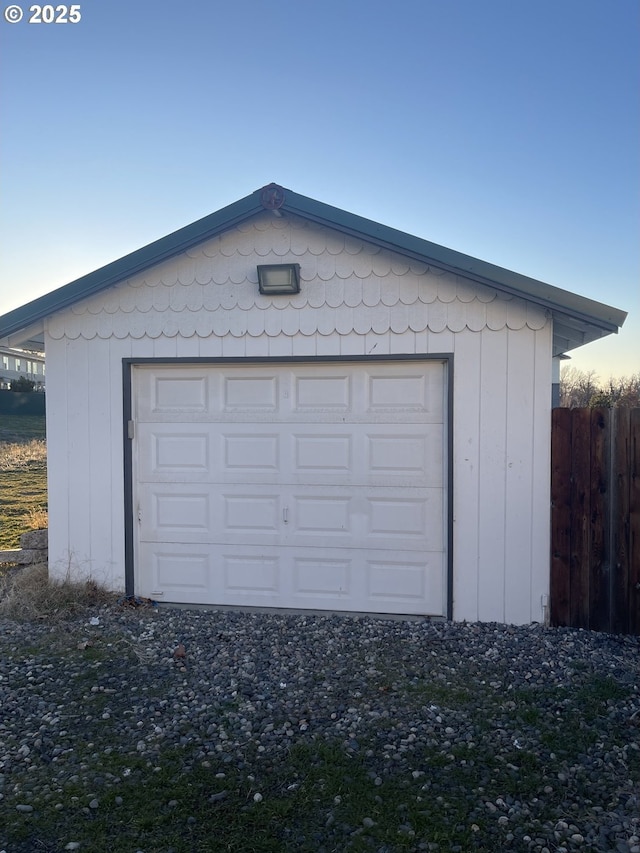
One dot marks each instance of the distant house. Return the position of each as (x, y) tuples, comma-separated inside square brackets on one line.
[(287, 405), (16, 363)]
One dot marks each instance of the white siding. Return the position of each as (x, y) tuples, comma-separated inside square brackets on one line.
[(467, 380), (57, 467), (501, 376), (492, 475)]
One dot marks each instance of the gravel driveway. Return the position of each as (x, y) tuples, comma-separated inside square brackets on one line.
[(535, 731)]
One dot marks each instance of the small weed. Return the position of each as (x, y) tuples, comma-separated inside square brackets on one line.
[(36, 519), (443, 695), (599, 690)]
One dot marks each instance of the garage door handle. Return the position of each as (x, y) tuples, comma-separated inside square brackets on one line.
[(285, 514)]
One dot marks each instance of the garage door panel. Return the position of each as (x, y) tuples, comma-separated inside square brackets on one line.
[(175, 512), (314, 515), (306, 578), (180, 394), (398, 518), (179, 574), (168, 449), (357, 517), (197, 513), (322, 576), (367, 455), (398, 392), (180, 515), (375, 456), (405, 454), (177, 451), (251, 392), (251, 514), (203, 574), (323, 453), (402, 584), (306, 516), (401, 390), (259, 574), (246, 452), (321, 390)]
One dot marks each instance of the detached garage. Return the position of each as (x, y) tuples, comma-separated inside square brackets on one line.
[(286, 405)]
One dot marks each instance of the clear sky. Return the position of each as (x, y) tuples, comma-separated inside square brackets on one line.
[(505, 129)]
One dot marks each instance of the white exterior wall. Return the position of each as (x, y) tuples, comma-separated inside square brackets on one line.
[(356, 300)]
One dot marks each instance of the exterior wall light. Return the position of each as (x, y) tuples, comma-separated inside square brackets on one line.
[(279, 278)]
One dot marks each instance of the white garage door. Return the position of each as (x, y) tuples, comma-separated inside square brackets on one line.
[(305, 485)]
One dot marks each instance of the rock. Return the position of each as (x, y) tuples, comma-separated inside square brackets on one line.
[(28, 557), (35, 539)]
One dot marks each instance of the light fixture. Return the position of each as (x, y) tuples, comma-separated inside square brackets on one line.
[(279, 278)]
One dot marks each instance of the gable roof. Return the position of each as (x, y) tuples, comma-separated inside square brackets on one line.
[(577, 320)]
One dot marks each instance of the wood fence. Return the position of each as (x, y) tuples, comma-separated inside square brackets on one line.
[(595, 519)]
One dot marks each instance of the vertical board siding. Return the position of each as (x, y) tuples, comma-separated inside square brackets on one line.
[(595, 519), (541, 483), (57, 455), (519, 480), (468, 574), (79, 457), (100, 461), (492, 505)]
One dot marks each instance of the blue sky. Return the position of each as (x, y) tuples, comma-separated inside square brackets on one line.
[(505, 129)]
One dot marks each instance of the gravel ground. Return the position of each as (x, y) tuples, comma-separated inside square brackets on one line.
[(235, 689)]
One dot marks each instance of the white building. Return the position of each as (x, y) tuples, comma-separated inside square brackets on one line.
[(376, 440), (17, 363)]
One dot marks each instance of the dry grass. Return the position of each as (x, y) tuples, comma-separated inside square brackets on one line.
[(23, 489), (14, 456), (29, 594), (23, 477)]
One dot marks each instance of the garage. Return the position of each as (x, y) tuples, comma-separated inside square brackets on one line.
[(286, 405), (292, 484)]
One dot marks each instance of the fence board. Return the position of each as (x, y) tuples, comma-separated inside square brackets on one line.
[(560, 516), (599, 574), (580, 521), (620, 523)]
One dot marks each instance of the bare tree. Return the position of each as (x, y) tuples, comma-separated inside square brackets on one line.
[(577, 387), (582, 388)]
